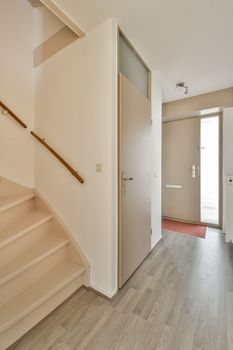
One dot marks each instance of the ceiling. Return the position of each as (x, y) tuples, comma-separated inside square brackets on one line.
[(183, 40)]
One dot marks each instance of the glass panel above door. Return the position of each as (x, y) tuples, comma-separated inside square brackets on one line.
[(132, 67)]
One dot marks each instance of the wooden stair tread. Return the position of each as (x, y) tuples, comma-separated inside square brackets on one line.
[(7, 202), (31, 219), (45, 246), (44, 288), (9, 188)]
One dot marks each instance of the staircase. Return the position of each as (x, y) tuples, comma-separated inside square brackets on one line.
[(40, 263)]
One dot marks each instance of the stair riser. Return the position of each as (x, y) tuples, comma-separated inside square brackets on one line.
[(16, 331), (19, 246), (9, 188), (11, 216), (18, 284)]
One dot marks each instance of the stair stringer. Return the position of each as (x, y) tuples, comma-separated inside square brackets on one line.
[(75, 251)]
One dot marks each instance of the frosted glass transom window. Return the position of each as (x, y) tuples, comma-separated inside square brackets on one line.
[(132, 67)]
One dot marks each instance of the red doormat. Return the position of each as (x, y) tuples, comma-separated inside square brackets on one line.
[(188, 229)]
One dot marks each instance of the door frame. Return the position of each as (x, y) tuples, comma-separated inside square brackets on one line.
[(121, 33), (220, 115)]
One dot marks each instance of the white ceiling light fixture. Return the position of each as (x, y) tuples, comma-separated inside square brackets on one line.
[(182, 85)]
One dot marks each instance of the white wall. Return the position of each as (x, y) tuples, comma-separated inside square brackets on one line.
[(156, 159), (76, 113), (16, 86)]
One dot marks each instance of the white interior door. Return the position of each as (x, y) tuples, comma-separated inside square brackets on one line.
[(134, 178)]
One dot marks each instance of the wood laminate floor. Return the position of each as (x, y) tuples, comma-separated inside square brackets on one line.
[(181, 298)]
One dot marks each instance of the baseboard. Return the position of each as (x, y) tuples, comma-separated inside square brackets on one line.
[(101, 292), (181, 220), (192, 222), (156, 242)]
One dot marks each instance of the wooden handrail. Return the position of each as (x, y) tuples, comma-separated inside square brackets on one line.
[(42, 141), (73, 172), (13, 115)]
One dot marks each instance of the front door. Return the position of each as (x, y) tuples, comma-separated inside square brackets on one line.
[(181, 170), (134, 178)]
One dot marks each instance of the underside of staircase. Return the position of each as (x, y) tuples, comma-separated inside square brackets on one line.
[(41, 264)]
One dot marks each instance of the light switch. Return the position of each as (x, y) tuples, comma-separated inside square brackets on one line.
[(99, 167)]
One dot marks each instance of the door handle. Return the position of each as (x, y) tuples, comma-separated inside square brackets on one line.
[(127, 178), (124, 178)]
